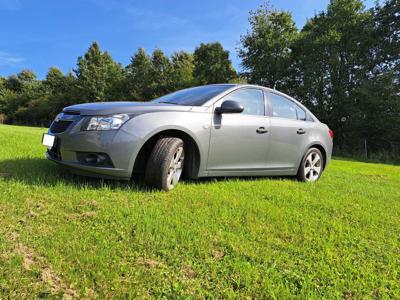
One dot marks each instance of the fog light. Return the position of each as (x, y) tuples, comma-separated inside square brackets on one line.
[(94, 159)]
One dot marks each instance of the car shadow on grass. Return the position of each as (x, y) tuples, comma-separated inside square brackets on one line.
[(41, 172)]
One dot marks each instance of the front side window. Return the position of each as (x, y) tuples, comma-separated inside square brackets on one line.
[(251, 99), (282, 107)]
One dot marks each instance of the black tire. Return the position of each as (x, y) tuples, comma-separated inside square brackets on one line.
[(158, 164), (301, 173)]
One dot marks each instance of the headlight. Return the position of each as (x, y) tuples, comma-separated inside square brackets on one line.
[(105, 122)]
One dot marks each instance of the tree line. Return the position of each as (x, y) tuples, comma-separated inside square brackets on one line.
[(97, 77), (344, 64)]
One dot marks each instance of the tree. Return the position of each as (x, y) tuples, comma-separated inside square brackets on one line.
[(21, 82), (2, 84), (266, 49), (54, 80), (18, 91), (138, 75), (331, 60), (61, 89), (98, 75), (380, 90), (212, 64), (379, 113), (343, 64), (6, 96), (387, 36), (182, 70), (160, 75)]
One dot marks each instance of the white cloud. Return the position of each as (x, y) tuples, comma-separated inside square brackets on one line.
[(7, 59)]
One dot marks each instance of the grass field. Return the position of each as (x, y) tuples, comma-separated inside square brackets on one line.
[(64, 235)]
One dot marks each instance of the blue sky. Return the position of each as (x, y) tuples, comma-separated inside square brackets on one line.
[(39, 34)]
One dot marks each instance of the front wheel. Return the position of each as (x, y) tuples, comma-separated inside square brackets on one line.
[(311, 166), (165, 164)]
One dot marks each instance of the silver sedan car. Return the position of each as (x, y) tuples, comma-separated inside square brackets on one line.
[(212, 130)]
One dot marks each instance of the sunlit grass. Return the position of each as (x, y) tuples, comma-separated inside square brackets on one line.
[(236, 238)]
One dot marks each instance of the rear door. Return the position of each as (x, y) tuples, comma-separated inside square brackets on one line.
[(289, 132), (239, 141)]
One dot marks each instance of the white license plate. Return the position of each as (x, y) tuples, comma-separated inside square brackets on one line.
[(48, 140)]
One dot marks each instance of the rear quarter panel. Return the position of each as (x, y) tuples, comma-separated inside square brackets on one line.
[(320, 136)]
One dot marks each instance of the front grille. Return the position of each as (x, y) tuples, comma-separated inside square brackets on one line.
[(59, 126)]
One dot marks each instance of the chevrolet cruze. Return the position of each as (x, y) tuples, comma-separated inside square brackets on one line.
[(212, 130)]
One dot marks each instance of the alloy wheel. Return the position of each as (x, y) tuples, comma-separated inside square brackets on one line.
[(175, 168), (312, 166)]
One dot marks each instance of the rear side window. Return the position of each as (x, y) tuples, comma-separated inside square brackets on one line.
[(251, 99), (282, 107)]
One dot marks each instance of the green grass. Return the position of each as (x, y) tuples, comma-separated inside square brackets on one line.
[(236, 238)]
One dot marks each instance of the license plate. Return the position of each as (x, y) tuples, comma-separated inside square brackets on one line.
[(48, 140)]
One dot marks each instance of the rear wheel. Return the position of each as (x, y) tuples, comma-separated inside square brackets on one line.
[(165, 165), (311, 166)]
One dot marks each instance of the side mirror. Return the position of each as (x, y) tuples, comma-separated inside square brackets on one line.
[(230, 107)]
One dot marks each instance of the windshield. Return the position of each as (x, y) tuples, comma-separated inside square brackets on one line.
[(196, 96)]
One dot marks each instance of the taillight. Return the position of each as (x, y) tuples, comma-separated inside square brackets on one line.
[(331, 133)]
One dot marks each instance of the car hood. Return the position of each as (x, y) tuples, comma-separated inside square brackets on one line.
[(108, 108)]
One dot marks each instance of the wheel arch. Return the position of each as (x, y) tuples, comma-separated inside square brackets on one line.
[(192, 152)]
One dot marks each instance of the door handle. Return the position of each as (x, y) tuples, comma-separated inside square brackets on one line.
[(301, 131), (261, 130)]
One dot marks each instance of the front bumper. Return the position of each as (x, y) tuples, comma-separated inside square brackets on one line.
[(119, 145), (92, 171)]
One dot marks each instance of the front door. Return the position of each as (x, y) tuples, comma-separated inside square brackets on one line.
[(239, 141)]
